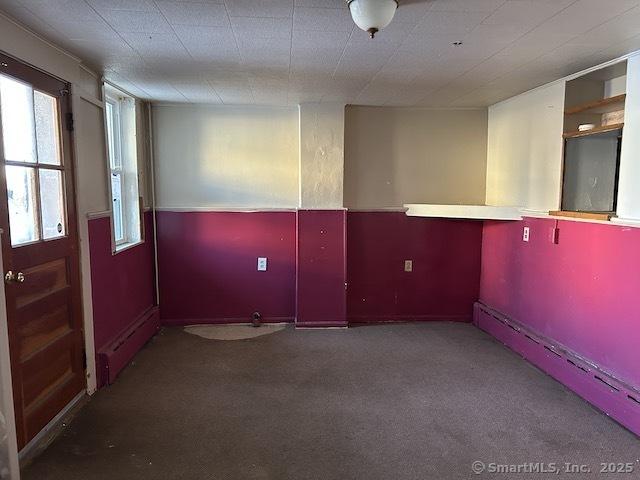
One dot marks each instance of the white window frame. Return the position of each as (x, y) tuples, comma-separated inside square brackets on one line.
[(115, 165), (122, 162)]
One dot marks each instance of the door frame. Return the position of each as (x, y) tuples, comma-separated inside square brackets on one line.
[(85, 307)]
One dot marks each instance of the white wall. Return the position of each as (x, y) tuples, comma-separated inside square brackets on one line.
[(225, 157), (524, 152), (629, 180), (395, 156), (615, 86)]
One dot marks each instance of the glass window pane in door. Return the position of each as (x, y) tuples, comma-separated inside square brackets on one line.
[(52, 204), (18, 130), (47, 128), (21, 199)]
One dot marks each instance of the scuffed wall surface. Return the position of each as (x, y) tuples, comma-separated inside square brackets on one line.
[(445, 279), (207, 266), (321, 156)]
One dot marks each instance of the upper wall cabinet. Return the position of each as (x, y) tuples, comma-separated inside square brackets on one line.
[(593, 127), (570, 147)]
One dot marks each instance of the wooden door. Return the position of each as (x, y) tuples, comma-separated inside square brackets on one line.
[(39, 245)]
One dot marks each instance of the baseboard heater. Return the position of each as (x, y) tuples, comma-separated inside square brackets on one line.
[(611, 395), (117, 355)]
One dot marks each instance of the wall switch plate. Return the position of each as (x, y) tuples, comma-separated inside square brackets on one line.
[(525, 234), (408, 265), (262, 264)]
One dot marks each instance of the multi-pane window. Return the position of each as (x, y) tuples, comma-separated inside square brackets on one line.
[(115, 168), (123, 171), (33, 162)]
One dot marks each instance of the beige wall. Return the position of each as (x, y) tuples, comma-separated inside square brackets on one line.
[(395, 156), (225, 157)]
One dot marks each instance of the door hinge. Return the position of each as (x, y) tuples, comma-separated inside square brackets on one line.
[(84, 359), (69, 121)]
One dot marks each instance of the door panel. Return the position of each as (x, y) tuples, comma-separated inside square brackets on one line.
[(39, 246)]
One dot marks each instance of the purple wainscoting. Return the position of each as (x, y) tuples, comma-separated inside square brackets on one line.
[(446, 267), (123, 286), (581, 293), (321, 268), (208, 266)]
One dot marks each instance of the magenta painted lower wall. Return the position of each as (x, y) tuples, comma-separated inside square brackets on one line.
[(207, 264), (446, 267), (582, 292), (123, 285), (208, 274), (321, 268)]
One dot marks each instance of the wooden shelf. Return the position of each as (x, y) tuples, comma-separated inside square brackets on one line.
[(606, 105), (606, 216), (593, 131), (469, 212)]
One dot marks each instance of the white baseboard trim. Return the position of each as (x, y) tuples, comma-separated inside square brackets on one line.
[(50, 431)]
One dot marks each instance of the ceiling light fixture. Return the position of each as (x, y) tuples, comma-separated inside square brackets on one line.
[(372, 15)]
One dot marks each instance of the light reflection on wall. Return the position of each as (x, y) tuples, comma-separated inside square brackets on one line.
[(219, 156)]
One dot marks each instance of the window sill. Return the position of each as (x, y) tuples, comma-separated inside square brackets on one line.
[(126, 246), (615, 221)]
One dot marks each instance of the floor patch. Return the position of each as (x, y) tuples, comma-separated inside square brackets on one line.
[(232, 332)]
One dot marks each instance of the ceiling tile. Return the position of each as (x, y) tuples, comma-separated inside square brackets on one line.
[(131, 5), (136, 22), (323, 19), (288, 51), (156, 45), (199, 14), (467, 6), (525, 12), (262, 8), (265, 27), (583, 15), (321, 3)]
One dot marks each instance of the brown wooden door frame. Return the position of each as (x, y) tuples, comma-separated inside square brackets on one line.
[(44, 250)]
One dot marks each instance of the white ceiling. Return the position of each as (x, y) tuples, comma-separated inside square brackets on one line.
[(283, 52)]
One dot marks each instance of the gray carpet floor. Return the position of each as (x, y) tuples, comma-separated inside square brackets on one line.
[(413, 401)]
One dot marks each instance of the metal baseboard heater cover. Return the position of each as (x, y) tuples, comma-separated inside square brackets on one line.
[(117, 355), (611, 395)]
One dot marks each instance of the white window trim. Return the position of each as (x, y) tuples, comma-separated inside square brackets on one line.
[(129, 186)]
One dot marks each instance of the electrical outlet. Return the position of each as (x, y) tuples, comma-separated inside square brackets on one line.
[(408, 265), (525, 234), (262, 264)]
